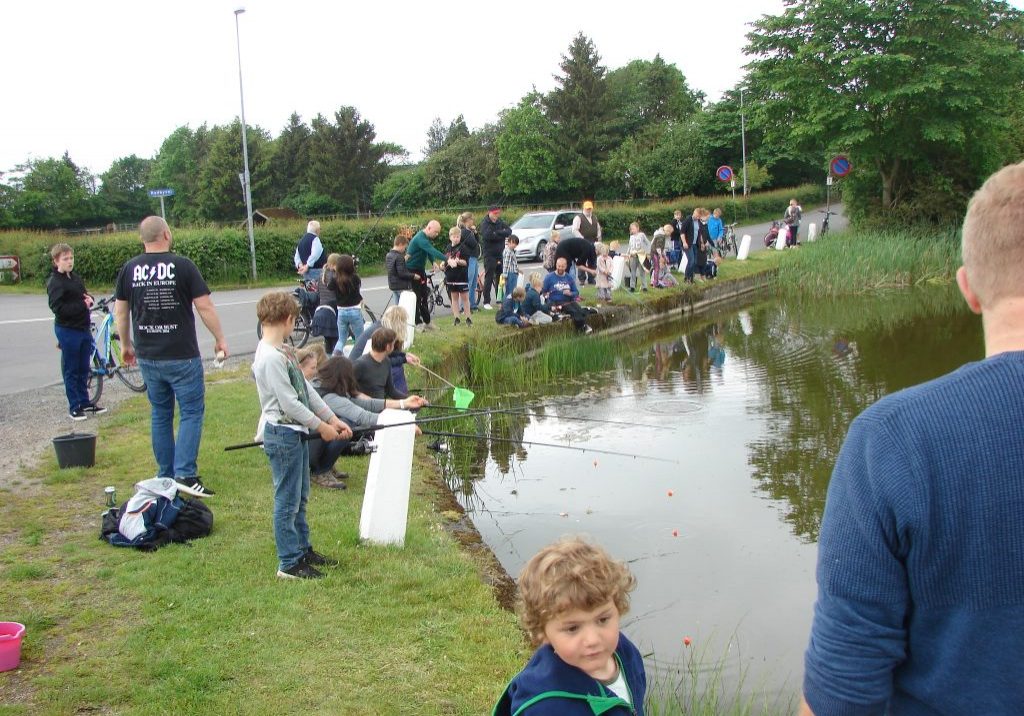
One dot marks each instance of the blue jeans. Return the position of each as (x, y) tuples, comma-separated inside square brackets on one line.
[(75, 358), (167, 381), (322, 456), (349, 319), (512, 320), (289, 466), (471, 269), (396, 296), (691, 261), (572, 272), (511, 279), (313, 274)]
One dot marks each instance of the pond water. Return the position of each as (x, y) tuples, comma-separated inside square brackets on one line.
[(751, 405)]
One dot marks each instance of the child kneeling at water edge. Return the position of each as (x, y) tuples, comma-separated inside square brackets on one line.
[(290, 408), (571, 596)]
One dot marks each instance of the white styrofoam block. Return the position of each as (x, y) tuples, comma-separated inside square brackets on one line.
[(386, 497)]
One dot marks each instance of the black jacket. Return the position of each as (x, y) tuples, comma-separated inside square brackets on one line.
[(493, 235), (471, 241), (400, 278), (66, 293)]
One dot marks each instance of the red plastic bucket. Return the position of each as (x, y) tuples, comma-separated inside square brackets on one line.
[(10, 645)]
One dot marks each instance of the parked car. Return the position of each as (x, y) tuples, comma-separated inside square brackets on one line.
[(534, 230)]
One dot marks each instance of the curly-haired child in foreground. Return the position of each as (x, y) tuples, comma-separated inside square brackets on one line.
[(571, 596)]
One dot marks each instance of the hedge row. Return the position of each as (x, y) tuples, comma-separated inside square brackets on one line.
[(222, 254)]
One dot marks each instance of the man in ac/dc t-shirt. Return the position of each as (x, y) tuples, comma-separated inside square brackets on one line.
[(160, 289)]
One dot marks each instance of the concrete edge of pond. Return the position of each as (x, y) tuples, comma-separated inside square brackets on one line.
[(610, 320)]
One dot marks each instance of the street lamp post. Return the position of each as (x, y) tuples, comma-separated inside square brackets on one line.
[(743, 140), (245, 150)]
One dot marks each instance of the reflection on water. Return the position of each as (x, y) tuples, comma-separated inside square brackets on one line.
[(752, 405)]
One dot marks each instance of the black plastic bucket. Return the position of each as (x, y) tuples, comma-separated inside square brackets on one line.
[(75, 450)]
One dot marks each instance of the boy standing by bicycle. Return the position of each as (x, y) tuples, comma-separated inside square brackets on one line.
[(71, 303)]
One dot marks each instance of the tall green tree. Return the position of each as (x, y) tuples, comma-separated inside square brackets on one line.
[(124, 188), (527, 154), (345, 161), (907, 89), (582, 116), (647, 92), (465, 172), (219, 194), (177, 166), (666, 159), (289, 161), (56, 193)]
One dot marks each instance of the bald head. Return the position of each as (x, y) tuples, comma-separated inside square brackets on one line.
[(993, 246), (433, 228), (153, 229)]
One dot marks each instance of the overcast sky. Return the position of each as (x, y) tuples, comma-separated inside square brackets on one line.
[(107, 79)]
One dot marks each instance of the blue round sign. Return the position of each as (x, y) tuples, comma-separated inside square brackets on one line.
[(840, 166), (724, 173)]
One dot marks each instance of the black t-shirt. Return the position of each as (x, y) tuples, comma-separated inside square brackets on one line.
[(457, 274), (160, 288), (576, 250)]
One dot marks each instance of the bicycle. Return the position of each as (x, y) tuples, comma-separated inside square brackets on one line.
[(824, 223), (726, 243), (308, 296), (106, 356), (437, 296)]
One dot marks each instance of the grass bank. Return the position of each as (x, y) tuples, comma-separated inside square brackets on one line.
[(209, 628)]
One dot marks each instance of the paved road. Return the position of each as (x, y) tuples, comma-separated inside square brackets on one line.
[(31, 361)]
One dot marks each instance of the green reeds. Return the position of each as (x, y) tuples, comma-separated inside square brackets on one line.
[(560, 360), (861, 262)]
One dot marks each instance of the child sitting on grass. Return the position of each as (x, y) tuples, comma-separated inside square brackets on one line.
[(571, 596), (512, 311), (291, 407)]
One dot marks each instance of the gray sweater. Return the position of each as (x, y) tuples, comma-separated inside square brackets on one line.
[(357, 412), (279, 399)]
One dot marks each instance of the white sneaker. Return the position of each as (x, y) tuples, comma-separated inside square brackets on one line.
[(487, 307)]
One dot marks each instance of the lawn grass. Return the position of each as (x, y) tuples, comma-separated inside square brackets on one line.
[(209, 628)]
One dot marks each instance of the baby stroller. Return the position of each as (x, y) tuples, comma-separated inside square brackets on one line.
[(773, 234)]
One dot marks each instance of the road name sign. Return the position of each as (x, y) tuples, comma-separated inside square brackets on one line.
[(155, 193)]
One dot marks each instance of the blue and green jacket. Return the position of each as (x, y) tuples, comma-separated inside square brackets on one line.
[(547, 686)]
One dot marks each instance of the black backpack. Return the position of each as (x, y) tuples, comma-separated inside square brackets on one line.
[(194, 521)]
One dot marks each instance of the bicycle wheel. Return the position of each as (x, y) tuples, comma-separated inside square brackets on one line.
[(300, 333), (130, 375), (94, 384)]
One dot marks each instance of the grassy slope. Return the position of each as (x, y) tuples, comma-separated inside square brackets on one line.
[(209, 629)]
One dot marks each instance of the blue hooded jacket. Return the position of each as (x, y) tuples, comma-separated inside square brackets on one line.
[(547, 686)]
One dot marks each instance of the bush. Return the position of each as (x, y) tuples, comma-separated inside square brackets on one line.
[(222, 253)]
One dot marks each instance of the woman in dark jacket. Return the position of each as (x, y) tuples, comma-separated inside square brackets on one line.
[(471, 240), (71, 303)]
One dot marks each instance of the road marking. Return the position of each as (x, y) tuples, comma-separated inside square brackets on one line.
[(26, 320), (364, 289)]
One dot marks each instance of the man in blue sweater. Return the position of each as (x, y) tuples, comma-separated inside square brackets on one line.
[(921, 556)]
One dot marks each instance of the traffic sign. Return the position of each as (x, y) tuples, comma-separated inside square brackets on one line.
[(840, 166), (10, 269), (155, 193), (724, 173)]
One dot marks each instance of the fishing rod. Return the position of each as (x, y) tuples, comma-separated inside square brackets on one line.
[(384, 213), (358, 432), (450, 385), (523, 411), (534, 443)]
